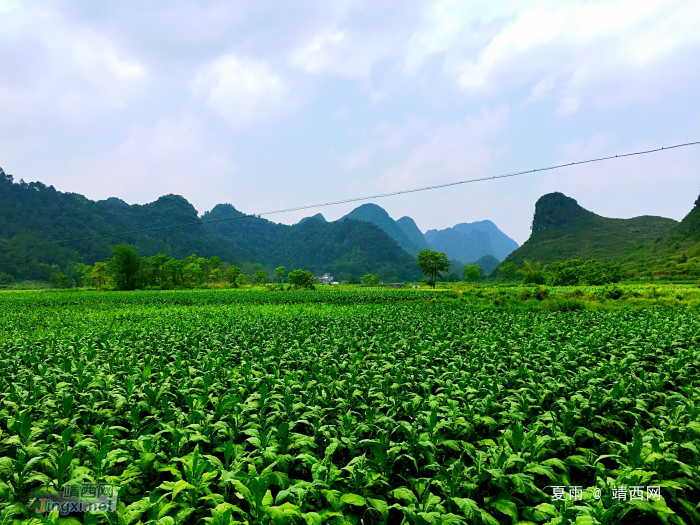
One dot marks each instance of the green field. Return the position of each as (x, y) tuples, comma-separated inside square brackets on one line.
[(353, 406)]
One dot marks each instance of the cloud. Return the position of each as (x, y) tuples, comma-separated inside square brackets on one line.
[(449, 152), (54, 68), (243, 90), (172, 156), (311, 101), (577, 50), (381, 138), (663, 183)]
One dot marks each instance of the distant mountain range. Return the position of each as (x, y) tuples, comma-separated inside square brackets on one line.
[(366, 240), (32, 214), (464, 243), (468, 242), (406, 234), (562, 229)]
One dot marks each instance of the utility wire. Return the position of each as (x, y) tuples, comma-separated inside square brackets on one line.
[(357, 199)]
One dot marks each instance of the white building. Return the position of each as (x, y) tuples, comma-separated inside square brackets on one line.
[(326, 278)]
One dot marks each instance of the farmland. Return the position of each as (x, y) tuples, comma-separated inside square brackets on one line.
[(366, 406)]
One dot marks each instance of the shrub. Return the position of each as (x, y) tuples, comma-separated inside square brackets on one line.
[(572, 272), (611, 292), (567, 305), (542, 293), (533, 273)]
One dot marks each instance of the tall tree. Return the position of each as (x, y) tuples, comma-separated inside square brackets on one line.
[(279, 272), (124, 267), (99, 272), (431, 263)]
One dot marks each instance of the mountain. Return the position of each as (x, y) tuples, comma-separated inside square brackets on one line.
[(676, 254), (33, 213), (502, 244), (687, 233), (487, 263), (318, 217), (464, 247), (377, 215), (344, 248), (468, 242), (411, 230), (561, 229)]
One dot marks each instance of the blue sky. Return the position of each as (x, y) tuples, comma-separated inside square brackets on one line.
[(268, 105)]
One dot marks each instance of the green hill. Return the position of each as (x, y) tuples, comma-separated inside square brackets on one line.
[(677, 254), (410, 228), (561, 229), (33, 213), (646, 246), (377, 215), (317, 217), (487, 263)]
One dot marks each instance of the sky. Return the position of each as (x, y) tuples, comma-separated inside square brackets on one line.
[(268, 105)]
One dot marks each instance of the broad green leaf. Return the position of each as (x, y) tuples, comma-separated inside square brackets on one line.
[(404, 494), (380, 505), (353, 499)]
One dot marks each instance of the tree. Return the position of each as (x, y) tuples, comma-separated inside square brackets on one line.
[(472, 273), (85, 272), (172, 269), (532, 272), (215, 268), (302, 279), (58, 279), (260, 277), (509, 270), (431, 263), (370, 280), (124, 267), (195, 273), (279, 272), (233, 273), (99, 271)]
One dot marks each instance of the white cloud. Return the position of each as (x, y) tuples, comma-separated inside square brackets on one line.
[(450, 152), (173, 156), (243, 90), (57, 69), (578, 50), (663, 183)]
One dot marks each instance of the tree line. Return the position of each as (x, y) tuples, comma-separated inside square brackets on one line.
[(126, 270), (570, 272)]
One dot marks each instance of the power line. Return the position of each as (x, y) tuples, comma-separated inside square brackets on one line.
[(357, 199)]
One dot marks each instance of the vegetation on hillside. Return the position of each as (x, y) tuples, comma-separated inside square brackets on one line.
[(32, 213), (561, 229), (645, 247)]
